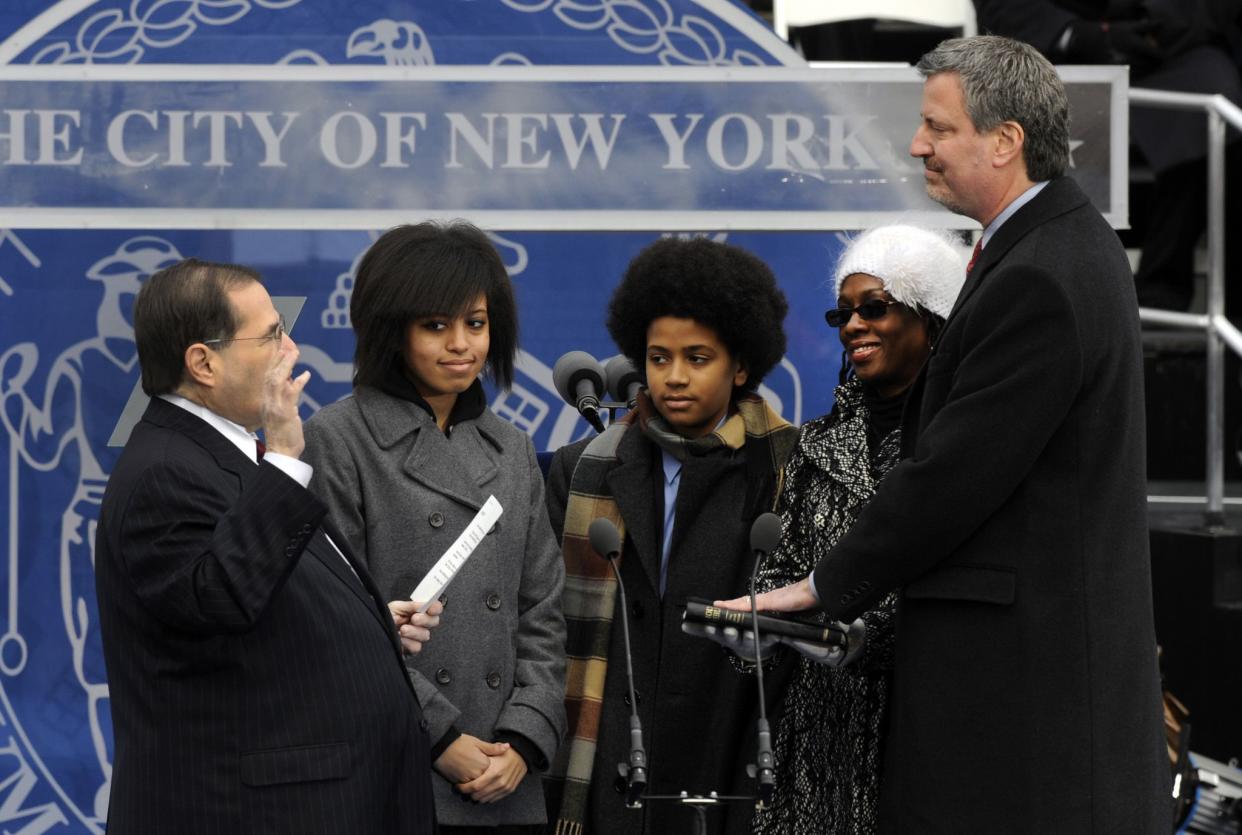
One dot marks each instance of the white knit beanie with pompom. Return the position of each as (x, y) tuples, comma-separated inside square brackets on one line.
[(918, 267)]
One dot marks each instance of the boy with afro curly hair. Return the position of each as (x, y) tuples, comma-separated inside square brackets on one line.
[(683, 477)]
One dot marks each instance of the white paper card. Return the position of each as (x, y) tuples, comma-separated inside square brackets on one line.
[(442, 573)]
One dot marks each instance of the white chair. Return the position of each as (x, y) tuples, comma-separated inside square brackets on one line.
[(947, 13)]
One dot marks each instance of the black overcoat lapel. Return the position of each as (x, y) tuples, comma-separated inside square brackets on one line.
[(1057, 198), (632, 481)]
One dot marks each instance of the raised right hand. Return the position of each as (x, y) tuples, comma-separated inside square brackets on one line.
[(282, 426)]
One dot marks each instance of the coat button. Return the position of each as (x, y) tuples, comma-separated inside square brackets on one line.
[(636, 609), (436, 519), (493, 601), (493, 680), (443, 676), (424, 725)]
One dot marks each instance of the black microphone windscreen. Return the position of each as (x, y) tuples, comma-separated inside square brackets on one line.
[(575, 366), (605, 538), (765, 533), (621, 374)]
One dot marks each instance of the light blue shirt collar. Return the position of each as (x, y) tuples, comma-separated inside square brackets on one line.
[(1009, 211), (672, 468), (672, 482)]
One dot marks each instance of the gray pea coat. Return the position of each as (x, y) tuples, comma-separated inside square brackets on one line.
[(401, 491)]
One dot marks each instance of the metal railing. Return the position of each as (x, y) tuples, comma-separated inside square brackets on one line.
[(1219, 331)]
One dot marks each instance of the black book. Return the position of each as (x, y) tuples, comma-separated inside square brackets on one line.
[(774, 623)]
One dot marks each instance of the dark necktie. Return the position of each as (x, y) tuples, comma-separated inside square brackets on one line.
[(260, 448), (974, 256)]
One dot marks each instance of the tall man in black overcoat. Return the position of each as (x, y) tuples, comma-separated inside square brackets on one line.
[(1026, 697), (256, 679)]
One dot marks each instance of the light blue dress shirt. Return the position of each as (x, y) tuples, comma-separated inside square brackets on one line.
[(672, 481), (1009, 211)]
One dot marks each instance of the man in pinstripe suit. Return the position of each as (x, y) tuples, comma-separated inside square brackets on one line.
[(256, 677)]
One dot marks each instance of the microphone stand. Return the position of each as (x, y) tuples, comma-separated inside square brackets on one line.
[(635, 771), (612, 407), (763, 767), (590, 413), (699, 804), (765, 533), (606, 541)]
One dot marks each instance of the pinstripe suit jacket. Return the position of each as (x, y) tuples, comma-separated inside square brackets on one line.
[(256, 682)]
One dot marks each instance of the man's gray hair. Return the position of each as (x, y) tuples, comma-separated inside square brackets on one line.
[(1004, 80)]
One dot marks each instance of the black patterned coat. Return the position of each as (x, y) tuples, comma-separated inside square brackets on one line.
[(829, 741)]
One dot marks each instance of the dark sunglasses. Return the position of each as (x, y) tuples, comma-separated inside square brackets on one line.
[(872, 309)]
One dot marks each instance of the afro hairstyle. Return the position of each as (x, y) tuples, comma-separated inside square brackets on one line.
[(718, 285)]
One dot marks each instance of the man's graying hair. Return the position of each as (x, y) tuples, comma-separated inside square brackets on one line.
[(1004, 80)]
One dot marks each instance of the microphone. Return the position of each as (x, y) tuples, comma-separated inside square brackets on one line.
[(606, 541), (579, 380), (765, 533), (624, 381), (604, 538)]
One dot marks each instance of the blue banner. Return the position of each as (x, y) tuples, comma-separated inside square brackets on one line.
[(193, 169), (511, 147)]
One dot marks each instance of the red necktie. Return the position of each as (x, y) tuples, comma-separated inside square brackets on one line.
[(974, 256), (260, 448)]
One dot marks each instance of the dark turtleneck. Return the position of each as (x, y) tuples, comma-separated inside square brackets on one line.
[(470, 403), (883, 415)]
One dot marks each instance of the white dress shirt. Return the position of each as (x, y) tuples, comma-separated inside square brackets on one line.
[(236, 434)]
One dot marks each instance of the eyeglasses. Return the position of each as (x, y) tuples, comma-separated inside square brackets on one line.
[(837, 317), (277, 336)]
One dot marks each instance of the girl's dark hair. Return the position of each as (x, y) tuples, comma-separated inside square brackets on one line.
[(429, 269), (718, 285)]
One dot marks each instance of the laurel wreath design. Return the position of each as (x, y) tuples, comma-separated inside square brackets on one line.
[(645, 27), (123, 36)]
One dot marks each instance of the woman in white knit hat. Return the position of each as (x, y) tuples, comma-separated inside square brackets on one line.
[(894, 287)]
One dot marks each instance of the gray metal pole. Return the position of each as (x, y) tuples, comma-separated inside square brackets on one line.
[(1220, 331), (1215, 470)]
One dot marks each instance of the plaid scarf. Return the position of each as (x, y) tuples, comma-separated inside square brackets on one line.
[(590, 592)]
